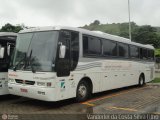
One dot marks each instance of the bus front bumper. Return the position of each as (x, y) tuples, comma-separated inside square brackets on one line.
[(35, 92)]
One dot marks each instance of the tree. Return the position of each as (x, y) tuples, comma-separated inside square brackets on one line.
[(124, 29), (141, 34), (146, 35), (11, 28), (124, 34), (96, 22), (157, 52)]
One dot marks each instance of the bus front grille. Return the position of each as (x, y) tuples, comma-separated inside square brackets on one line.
[(19, 81), (27, 82)]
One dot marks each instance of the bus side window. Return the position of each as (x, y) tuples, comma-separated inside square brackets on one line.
[(144, 54), (74, 49), (134, 52), (85, 45), (123, 50), (109, 48), (140, 52), (151, 54), (92, 46)]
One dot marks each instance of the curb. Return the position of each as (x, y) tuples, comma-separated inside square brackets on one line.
[(157, 84), (157, 70)]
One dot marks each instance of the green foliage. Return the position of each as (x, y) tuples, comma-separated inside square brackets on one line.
[(157, 52), (146, 35), (96, 22), (114, 28), (141, 34), (156, 80), (11, 28)]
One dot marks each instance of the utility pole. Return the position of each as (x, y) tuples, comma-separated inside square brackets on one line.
[(130, 35)]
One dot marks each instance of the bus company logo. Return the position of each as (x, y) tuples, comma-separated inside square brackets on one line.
[(62, 84), (12, 75), (4, 117)]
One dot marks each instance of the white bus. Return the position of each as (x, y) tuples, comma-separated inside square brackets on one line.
[(57, 63), (7, 43)]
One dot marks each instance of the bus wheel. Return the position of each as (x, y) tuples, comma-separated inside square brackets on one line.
[(141, 80), (83, 91)]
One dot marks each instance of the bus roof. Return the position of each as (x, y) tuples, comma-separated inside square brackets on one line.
[(88, 32), (7, 34)]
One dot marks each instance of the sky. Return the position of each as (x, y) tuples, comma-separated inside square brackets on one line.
[(78, 12)]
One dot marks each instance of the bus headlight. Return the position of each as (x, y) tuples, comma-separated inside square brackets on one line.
[(10, 80), (49, 84), (41, 84)]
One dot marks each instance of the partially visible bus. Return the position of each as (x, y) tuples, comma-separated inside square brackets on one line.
[(57, 63), (7, 44)]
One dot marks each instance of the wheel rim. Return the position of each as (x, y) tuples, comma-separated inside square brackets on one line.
[(141, 81), (82, 90)]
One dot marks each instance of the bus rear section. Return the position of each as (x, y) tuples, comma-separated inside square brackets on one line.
[(7, 44)]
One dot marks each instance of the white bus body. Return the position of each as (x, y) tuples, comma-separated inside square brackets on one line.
[(88, 67), (7, 40)]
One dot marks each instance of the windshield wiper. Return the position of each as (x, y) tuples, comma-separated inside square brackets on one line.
[(30, 62), (23, 59), (32, 67)]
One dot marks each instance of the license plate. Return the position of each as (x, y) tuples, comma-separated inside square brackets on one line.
[(24, 90)]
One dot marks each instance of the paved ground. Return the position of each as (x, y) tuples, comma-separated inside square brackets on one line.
[(130, 100)]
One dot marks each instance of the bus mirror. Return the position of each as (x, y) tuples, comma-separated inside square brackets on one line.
[(62, 51), (2, 52), (8, 49)]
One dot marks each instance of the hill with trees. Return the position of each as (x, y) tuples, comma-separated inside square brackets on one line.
[(145, 34)]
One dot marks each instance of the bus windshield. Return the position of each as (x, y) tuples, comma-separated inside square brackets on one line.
[(36, 51)]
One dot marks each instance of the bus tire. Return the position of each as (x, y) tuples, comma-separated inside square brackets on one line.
[(83, 91), (141, 80)]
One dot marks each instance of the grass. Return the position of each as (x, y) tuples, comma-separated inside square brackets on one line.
[(157, 52), (156, 80)]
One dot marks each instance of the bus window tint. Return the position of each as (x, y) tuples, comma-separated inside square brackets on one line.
[(85, 45), (74, 49), (143, 53), (123, 50), (134, 52), (91, 45), (150, 54), (109, 48)]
